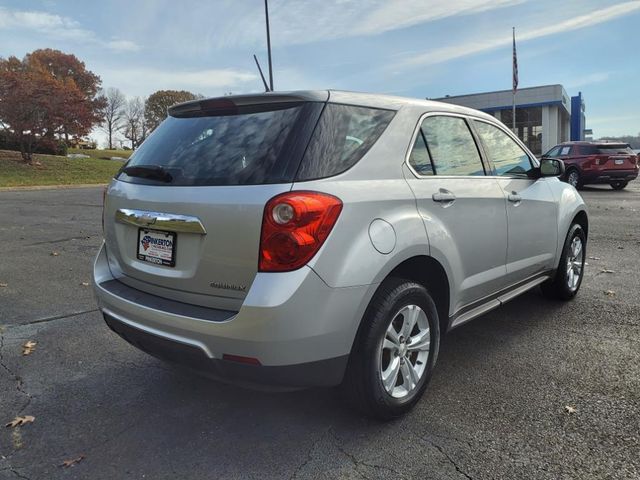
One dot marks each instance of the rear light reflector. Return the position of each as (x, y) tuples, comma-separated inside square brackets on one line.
[(294, 227), (241, 359)]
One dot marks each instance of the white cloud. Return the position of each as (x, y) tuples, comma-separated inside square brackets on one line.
[(144, 81), (123, 46), (57, 26), (475, 46), (393, 15), (588, 79), (295, 22)]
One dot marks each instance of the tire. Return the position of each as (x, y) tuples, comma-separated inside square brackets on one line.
[(619, 185), (396, 304), (564, 285), (574, 178)]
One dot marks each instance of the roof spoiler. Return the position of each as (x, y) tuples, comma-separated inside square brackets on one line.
[(230, 105)]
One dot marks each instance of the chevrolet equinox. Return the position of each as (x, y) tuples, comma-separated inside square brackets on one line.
[(325, 238)]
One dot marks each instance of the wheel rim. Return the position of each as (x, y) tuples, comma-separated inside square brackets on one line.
[(574, 263), (573, 178), (404, 351)]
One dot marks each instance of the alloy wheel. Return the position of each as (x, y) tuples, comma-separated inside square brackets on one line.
[(574, 263), (404, 351), (573, 179)]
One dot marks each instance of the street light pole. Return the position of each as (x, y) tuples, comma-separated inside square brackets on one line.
[(266, 13)]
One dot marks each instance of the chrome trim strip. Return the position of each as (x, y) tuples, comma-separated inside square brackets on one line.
[(465, 116), (161, 221), (475, 309)]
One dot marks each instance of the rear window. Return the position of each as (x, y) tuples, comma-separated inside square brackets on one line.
[(248, 147), (615, 150), (343, 135)]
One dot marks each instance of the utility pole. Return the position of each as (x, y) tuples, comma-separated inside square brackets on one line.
[(266, 13)]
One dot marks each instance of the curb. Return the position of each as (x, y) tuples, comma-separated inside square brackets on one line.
[(51, 187)]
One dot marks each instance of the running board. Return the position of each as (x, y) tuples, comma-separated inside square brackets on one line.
[(493, 303)]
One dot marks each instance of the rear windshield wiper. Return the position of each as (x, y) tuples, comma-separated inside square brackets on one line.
[(152, 172)]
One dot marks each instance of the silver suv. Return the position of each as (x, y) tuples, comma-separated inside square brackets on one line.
[(326, 238)]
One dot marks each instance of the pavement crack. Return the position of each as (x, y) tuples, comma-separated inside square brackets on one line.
[(444, 453), (308, 459), (59, 240), (357, 463), (57, 317), (15, 376)]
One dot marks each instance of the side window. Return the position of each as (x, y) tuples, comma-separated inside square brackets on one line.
[(507, 157), (453, 150), (565, 150), (554, 152), (419, 158)]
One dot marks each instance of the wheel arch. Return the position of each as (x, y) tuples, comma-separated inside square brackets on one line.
[(430, 273)]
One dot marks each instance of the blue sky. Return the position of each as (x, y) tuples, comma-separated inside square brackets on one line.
[(419, 48)]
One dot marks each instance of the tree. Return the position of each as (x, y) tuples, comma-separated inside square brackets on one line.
[(113, 112), (134, 128), (159, 102), (47, 94)]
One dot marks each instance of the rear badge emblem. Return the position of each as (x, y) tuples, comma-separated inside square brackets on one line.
[(228, 286)]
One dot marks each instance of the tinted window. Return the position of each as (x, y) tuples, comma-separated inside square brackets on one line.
[(615, 149), (507, 157), (453, 150), (589, 150), (554, 152), (244, 148), (343, 135), (419, 158)]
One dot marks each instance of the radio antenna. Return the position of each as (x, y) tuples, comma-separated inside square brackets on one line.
[(266, 87)]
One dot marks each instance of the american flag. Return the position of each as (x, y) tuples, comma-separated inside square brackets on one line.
[(515, 63)]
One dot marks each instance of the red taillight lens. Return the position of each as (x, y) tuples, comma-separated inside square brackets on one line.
[(294, 227)]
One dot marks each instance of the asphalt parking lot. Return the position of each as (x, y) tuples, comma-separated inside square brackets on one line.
[(496, 407)]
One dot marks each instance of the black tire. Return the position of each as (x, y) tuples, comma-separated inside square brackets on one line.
[(619, 185), (363, 380), (573, 178), (558, 286)]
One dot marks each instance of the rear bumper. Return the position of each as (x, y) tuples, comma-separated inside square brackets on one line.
[(298, 328), (320, 373), (608, 176)]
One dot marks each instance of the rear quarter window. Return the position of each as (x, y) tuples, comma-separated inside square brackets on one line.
[(343, 136)]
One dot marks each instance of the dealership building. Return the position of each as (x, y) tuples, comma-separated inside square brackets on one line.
[(545, 116)]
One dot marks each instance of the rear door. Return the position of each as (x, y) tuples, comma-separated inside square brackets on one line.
[(531, 208), (463, 209), (192, 233)]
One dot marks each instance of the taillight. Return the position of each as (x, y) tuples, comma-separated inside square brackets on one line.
[(294, 227)]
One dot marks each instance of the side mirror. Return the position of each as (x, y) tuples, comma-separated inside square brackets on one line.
[(551, 167)]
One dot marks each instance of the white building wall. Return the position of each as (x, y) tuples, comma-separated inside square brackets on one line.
[(550, 127)]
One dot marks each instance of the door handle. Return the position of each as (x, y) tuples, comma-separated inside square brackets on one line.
[(513, 197), (444, 196)]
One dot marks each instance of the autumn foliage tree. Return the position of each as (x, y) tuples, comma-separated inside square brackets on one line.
[(46, 96), (158, 103)]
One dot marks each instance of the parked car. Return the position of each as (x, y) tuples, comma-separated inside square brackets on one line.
[(326, 238), (597, 162)]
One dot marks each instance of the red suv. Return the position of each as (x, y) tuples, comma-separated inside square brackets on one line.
[(596, 162)]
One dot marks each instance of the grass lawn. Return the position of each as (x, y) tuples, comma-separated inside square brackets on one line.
[(102, 154), (54, 170)]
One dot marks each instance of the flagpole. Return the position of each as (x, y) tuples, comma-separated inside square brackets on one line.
[(513, 90)]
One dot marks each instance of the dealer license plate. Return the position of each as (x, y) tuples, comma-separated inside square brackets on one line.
[(156, 246), (619, 161)]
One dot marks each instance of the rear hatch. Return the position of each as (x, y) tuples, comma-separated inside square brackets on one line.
[(183, 217), (616, 156)]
